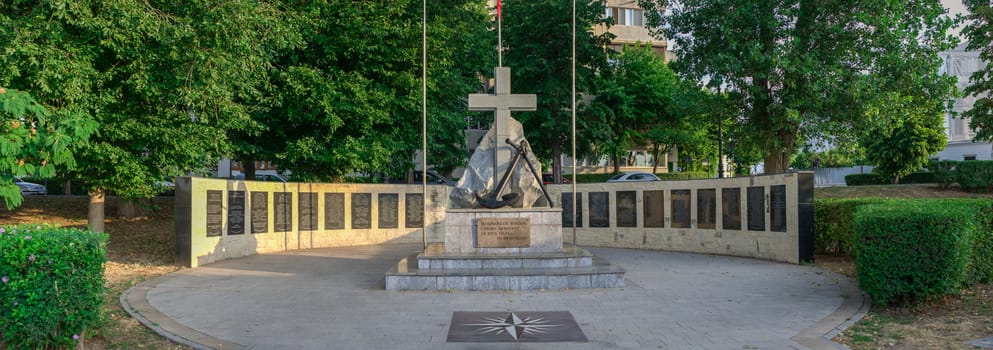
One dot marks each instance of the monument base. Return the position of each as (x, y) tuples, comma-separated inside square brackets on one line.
[(569, 268), (462, 230)]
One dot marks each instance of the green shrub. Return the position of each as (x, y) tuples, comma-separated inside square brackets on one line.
[(975, 175), (589, 178), (875, 179), (924, 177), (944, 172), (914, 250), (686, 175), (864, 180), (833, 224), (52, 285), (981, 263)]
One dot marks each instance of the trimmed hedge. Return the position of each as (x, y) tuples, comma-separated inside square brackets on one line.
[(52, 285), (834, 232), (914, 250), (873, 179), (944, 172), (975, 175)]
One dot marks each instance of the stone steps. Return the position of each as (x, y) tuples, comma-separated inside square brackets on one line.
[(588, 272)]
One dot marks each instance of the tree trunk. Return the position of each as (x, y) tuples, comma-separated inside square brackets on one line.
[(616, 160), (132, 208), (248, 168), (67, 187), (95, 220), (557, 163), (777, 162)]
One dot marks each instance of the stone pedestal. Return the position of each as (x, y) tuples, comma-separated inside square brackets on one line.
[(461, 263), (462, 230)]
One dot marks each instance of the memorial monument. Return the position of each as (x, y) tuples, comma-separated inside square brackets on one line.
[(501, 229)]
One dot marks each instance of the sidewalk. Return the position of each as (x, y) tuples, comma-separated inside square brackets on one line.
[(335, 299)]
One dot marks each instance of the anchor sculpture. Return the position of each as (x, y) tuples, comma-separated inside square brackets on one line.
[(499, 156), (491, 201)]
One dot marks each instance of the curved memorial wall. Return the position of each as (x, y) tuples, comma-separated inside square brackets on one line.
[(765, 217)]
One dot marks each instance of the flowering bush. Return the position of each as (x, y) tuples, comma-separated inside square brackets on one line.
[(51, 285)]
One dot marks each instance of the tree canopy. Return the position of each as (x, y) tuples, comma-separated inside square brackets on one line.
[(979, 33), (804, 69)]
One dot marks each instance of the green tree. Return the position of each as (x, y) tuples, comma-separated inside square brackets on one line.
[(34, 142), (906, 147), (800, 69), (640, 102), (537, 37), (165, 80), (350, 99), (979, 33)]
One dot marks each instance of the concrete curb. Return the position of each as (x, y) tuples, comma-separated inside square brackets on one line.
[(136, 304), (852, 309)]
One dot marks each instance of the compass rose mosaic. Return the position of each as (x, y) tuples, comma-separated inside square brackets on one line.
[(533, 326)]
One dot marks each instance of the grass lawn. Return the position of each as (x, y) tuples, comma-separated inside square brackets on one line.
[(142, 248)]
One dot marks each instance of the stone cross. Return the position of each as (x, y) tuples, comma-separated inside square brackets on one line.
[(502, 102)]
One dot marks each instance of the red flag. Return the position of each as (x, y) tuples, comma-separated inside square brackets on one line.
[(498, 10)]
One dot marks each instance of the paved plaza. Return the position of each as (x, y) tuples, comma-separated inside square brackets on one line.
[(334, 298)]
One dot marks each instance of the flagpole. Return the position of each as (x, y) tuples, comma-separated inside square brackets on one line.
[(575, 201), (499, 9), (424, 124)]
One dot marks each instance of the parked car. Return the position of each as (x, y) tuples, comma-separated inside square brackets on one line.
[(30, 189), (263, 177), (550, 179), (433, 178), (634, 176)]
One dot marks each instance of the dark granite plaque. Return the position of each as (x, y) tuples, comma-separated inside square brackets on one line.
[(680, 209), (215, 212), (414, 210), (706, 208), (282, 219), (654, 208), (599, 209), (731, 208), (308, 211), (334, 211), (514, 327), (567, 209), (389, 210), (361, 210), (236, 212), (627, 212), (777, 208), (260, 212), (756, 208)]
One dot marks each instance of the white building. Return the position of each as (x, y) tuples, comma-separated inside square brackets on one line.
[(961, 64)]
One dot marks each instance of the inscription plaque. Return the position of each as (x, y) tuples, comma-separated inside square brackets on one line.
[(599, 209), (680, 209), (706, 208), (215, 212), (308, 211), (414, 210), (567, 209), (389, 206), (361, 210), (503, 232), (777, 208), (627, 214), (731, 208), (236, 212), (334, 211), (654, 208), (756, 208), (282, 220), (260, 212)]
